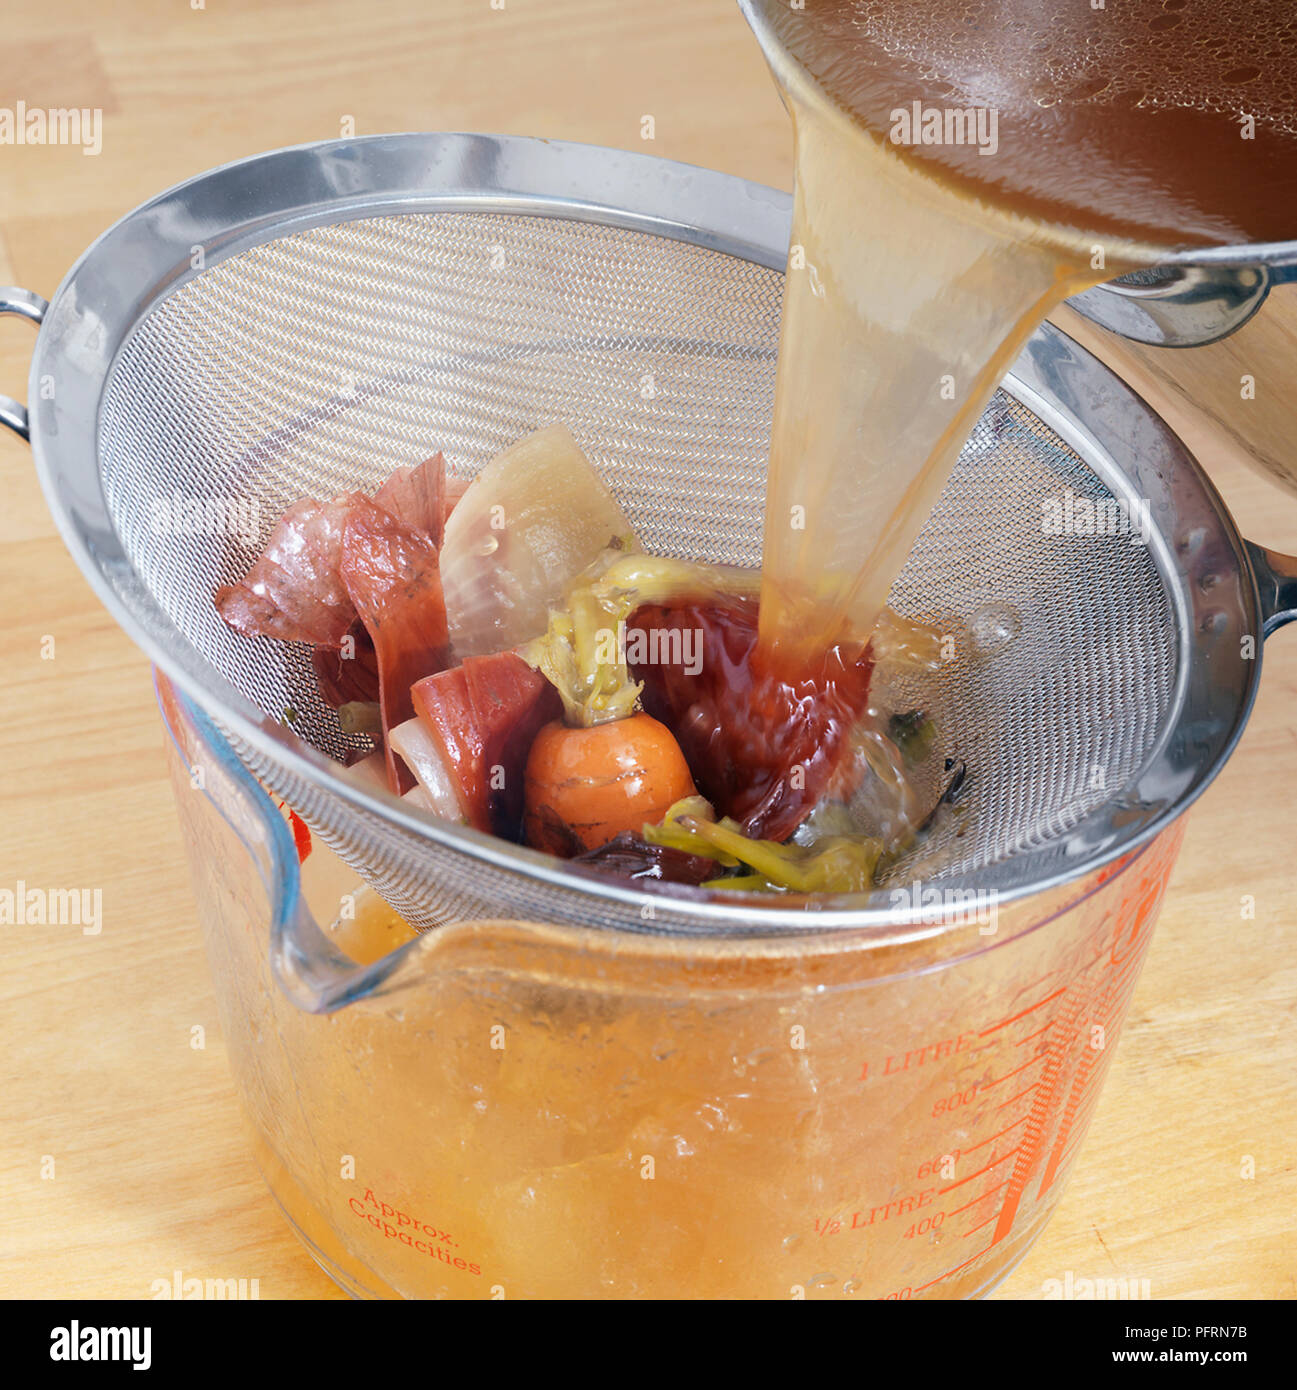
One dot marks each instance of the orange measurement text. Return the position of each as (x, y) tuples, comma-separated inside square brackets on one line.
[(896, 1062), (953, 1102), (401, 1226)]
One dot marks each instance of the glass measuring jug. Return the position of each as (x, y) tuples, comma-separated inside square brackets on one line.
[(529, 1110)]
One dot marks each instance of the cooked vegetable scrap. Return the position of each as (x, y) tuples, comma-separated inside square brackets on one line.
[(533, 519), (360, 717), (483, 717), (371, 773), (359, 579), (957, 769), (347, 673), (762, 740), (586, 785), (834, 864), (525, 668), (419, 496), (391, 576), (583, 653), (295, 592), (426, 760), (913, 733), (630, 856), (610, 767)]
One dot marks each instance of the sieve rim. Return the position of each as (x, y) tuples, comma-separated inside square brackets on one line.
[(146, 256)]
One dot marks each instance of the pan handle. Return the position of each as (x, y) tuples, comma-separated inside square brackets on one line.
[(25, 305), (1276, 582)]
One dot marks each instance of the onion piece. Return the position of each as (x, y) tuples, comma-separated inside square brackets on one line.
[(419, 749), (535, 517), (370, 772), (294, 591), (417, 496), (417, 796), (391, 574)]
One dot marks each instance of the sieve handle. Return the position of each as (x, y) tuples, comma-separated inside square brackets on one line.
[(1276, 582), (31, 307)]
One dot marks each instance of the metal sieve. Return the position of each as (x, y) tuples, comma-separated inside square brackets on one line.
[(305, 321)]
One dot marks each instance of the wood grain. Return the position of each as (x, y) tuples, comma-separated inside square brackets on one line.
[(150, 1171)]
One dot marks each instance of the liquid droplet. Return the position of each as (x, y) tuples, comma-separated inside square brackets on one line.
[(992, 627)]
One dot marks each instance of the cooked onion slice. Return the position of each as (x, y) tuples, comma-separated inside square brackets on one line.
[(424, 759), (369, 772), (534, 518)]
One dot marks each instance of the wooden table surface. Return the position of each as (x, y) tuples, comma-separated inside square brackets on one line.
[(121, 1153)]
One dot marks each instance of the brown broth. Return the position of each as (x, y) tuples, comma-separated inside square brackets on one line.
[(762, 739), (1126, 120), (918, 271)]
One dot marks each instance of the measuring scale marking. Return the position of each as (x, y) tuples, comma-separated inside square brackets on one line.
[(1071, 1030), (1079, 1009)]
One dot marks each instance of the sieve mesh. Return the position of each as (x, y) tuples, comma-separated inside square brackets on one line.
[(323, 360)]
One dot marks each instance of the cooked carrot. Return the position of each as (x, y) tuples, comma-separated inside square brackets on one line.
[(584, 786)]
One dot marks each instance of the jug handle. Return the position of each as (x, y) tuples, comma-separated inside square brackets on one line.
[(308, 967), (1276, 582), (311, 971), (25, 305)]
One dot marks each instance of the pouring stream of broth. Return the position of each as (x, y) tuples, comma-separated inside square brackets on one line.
[(962, 166)]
